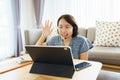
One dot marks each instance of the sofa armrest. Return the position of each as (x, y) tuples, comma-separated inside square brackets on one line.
[(91, 33), (82, 31)]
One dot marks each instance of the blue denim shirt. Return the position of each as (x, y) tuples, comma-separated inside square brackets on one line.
[(79, 44)]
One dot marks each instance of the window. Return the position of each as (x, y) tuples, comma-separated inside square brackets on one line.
[(6, 30)]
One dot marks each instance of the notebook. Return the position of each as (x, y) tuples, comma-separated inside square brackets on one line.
[(51, 60)]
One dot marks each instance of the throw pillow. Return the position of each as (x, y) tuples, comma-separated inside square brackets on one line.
[(107, 34)]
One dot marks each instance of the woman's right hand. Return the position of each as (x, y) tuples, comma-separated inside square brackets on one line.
[(47, 28)]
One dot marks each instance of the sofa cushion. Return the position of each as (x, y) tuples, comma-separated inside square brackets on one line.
[(32, 36), (107, 34), (108, 55)]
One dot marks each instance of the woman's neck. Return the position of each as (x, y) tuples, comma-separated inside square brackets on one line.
[(67, 41)]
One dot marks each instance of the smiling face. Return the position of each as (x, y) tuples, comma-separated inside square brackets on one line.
[(65, 29)]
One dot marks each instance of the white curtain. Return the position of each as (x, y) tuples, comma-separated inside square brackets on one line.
[(86, 12), (18, 45), (6, 30)]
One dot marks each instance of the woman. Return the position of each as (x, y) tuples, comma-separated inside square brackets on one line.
[(68, 36)]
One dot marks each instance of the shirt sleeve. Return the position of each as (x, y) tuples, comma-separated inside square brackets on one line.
[(49, 41), (86, 45)]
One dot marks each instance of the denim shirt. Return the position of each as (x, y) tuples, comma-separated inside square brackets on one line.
[(79, 44)]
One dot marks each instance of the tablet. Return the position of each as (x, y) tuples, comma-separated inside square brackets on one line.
[(51, 60)]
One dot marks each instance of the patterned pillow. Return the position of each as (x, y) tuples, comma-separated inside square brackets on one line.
[(107, 34)]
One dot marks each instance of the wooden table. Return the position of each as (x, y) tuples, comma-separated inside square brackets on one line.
[(22, 73)]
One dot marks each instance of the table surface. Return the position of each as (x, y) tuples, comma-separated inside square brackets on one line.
[(22, 73)]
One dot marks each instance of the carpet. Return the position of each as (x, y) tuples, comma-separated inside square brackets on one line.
[(11, 64)]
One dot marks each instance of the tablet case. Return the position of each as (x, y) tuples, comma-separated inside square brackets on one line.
[(51, 60)]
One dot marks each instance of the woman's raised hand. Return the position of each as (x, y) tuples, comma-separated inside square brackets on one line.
[(47, 28)]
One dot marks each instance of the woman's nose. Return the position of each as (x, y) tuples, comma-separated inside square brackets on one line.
[(64, 30)]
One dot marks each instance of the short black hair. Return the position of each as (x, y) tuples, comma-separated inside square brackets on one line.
[(71, 20)]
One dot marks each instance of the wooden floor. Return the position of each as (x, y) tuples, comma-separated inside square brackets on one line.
[(111, 68)]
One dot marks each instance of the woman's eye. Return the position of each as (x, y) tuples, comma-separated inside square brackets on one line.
[(60, 27), (67, 27)]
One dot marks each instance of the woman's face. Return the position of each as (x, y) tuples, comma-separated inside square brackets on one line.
[(65, 29)]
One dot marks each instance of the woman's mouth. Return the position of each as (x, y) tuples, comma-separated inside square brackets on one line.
[(64, 36)]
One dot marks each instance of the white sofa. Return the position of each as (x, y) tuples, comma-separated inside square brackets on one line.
[(106, 55)]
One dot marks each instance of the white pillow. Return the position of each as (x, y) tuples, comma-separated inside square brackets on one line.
[(107, 34)]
